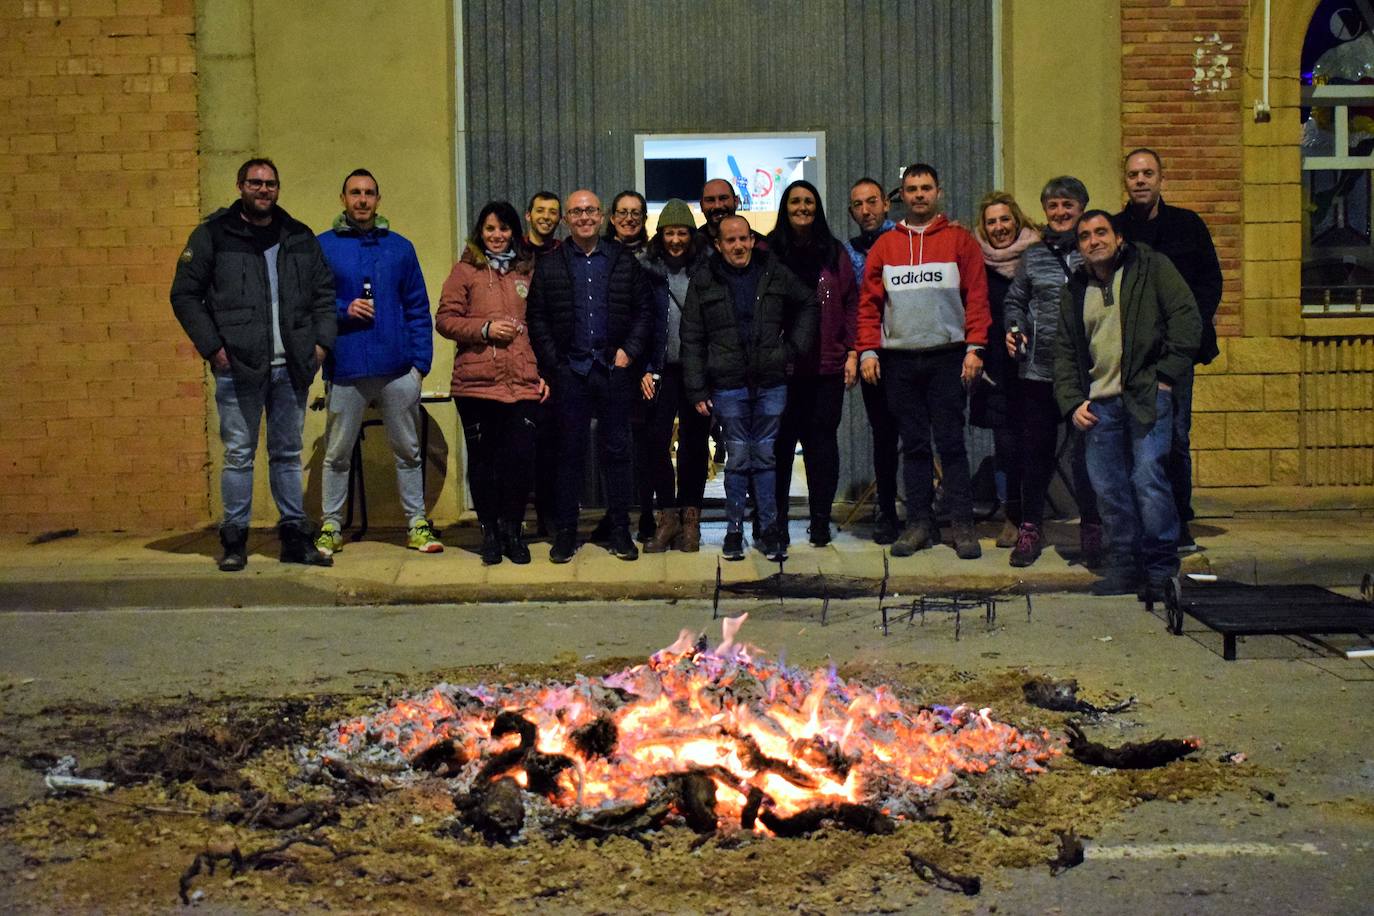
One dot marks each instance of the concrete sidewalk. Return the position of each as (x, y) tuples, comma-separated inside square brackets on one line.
[(109, 570)]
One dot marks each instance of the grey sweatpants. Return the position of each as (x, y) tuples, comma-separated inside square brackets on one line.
[(398, 399)]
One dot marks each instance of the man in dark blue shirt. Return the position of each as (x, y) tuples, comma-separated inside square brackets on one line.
[(590, 315)]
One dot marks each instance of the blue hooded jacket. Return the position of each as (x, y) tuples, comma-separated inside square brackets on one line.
[(400, 334)]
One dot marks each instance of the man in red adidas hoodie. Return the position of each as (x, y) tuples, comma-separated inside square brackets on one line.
[(923, 323)]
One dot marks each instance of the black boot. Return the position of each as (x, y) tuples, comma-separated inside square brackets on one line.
[(491, 545), (513, 543), (235, 541), (298, 546)]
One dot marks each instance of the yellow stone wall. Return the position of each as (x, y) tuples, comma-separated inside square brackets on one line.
[(323, 89), (1061, 111)]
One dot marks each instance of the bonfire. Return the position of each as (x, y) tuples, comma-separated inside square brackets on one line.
[(721, 738)]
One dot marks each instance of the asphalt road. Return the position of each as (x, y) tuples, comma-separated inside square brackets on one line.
[(1301, 716)]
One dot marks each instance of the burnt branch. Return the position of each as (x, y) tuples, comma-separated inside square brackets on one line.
[(1070, 852), (1133, 755), (936, 876), (755, 759), (847, 815), (1062, 696), (510, 723), (597, 738), (441, 758), (543, 769), (696, 801)]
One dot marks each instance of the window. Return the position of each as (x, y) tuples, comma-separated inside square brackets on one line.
[(758, 165), (1338, 162)]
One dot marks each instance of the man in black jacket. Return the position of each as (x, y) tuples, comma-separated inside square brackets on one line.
[(746, 318), (255, 295), (590, 314), (1182, 237)]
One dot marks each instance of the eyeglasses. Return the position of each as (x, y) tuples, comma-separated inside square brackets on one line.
[(579, 212), (257, 184), (628, 214)]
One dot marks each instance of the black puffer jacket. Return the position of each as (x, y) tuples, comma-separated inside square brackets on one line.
[(549, 309), (785, 324), (222, 297)]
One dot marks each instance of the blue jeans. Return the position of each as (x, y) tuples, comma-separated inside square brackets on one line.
[(398, 399), (1181, 454), (240, 416), (1127, 464), (749, 419)]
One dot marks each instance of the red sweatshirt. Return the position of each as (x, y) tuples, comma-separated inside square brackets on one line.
[(922, 289)]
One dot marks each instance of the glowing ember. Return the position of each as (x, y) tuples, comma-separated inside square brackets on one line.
[(801, 740)]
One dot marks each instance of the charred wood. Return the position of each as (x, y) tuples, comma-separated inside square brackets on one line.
[(1062, 696), (441, 758), (543, 769), (499, 764), (696, 801), (510, 723), (755, 759), (752, 803), (496, 810), (1142, 755), (936, 876), (850, 816), (597, 738), (1070, 852)]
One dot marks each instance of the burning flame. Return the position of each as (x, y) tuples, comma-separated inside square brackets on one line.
[(802, 740)]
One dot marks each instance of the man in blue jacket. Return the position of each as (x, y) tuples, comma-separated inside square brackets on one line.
[(384, 348)]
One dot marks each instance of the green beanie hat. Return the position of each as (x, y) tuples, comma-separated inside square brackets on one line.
[(676, 213)]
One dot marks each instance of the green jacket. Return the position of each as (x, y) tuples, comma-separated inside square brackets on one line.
[(1160, 332), (222, 296)]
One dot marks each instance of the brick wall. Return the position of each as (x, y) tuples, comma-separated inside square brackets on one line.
[(1245, 409), (102, 399), (1195, 126)]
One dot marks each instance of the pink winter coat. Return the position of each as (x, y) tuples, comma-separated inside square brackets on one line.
[(474, 294)]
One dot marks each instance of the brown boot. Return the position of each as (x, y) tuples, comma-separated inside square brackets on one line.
[(665, 535), (1009, 533), (689, 540), (966, 545)]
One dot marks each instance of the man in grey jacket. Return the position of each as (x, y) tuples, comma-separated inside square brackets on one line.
[(255, 296)]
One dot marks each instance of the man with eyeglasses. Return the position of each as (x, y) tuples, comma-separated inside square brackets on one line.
[(1128, 329), (256, 297), (590, 313), (868, 206)]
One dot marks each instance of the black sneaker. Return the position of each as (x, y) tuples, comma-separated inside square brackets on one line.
[(622, 546), (771, 545), (564, 545), (885, 528), (647, 528), (819, 531), (235, 542), (601, 534), (1185, 543), (733, 548)]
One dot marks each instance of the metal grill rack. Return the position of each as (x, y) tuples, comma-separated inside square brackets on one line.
[(955, 603), (1235, 609)]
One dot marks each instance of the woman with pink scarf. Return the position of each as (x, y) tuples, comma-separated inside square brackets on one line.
[(1004, 233)]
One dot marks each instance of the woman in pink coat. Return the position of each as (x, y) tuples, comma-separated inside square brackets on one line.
[(496, 383)]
